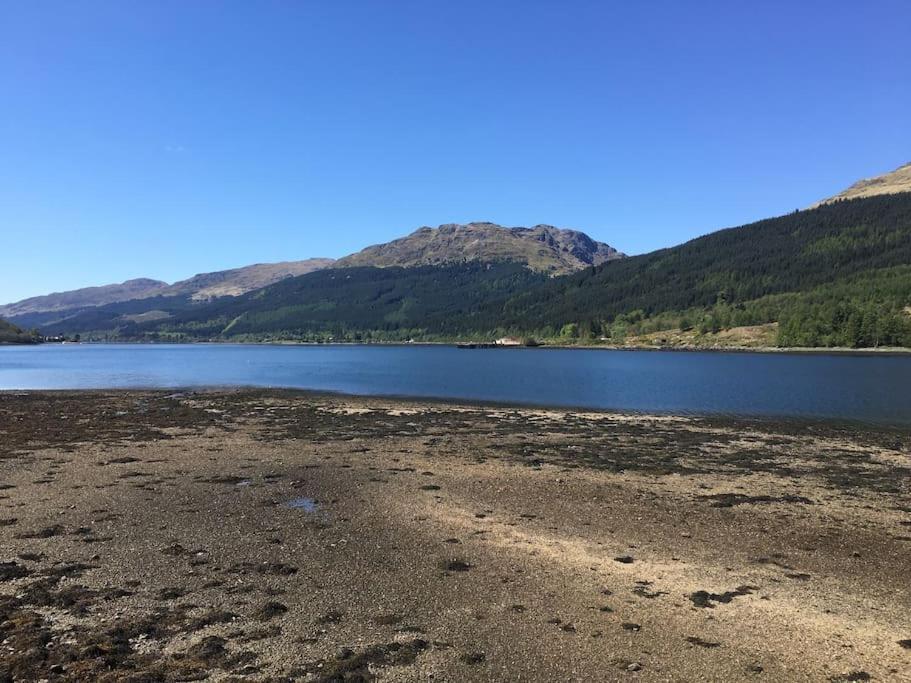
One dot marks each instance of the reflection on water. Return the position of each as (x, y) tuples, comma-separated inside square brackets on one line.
[(305, 504)]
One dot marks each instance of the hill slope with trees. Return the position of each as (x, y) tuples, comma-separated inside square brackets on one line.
[(815, 272), (11, 334)]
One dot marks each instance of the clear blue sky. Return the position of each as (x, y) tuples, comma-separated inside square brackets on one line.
[(166, 138)]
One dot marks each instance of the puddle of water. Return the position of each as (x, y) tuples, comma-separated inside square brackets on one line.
[(305, 504)]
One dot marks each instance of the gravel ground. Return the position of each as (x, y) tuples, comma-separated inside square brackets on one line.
[(272, 536)]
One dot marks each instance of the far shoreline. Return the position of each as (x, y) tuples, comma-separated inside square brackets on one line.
[(785, 350)]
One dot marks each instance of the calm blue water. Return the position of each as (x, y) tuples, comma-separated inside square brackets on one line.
[(874, 389)]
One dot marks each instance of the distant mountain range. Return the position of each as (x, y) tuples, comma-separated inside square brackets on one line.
[(200, 287), (542, 248), (838, 274), (87, 296)]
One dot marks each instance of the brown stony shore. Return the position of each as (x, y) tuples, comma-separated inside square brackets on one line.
[(152, 536)]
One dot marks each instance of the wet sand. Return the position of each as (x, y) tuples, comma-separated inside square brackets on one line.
[(273, 535)]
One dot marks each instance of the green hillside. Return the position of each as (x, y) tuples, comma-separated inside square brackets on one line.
[(11, 334), (836, 275), (391, 303)]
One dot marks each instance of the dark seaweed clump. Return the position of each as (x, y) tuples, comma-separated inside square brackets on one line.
[(706, 599)]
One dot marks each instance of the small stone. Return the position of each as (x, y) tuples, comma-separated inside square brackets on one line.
[(635, 666)]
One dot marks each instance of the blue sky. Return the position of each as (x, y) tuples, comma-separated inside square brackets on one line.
[(166, 138)]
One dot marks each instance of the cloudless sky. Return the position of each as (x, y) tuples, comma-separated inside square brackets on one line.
[(166, 138)]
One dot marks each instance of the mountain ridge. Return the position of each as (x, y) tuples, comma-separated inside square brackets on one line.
[(542, 248), (199, 287), (893, 182), (98, 295), (237, 281)]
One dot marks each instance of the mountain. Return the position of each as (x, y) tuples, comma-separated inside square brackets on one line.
[(898, 180), (87, 296), (202, 287), (836, 275), (242, 280), (542, 248)]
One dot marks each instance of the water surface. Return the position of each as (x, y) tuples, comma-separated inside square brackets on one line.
[(872, 388)]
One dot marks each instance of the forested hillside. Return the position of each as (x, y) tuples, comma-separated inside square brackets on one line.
[(368, 303), (11, 334), (836, 275), (447, 301), (818, 272)]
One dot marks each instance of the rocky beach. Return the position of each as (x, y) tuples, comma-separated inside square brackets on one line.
[(275, 535)]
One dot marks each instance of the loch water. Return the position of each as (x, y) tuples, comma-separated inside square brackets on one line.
[(874, 388)]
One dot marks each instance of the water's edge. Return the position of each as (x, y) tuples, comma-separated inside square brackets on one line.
[(721, 419)]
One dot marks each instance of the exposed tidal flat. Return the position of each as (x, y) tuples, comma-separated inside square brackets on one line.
[(277, 535)]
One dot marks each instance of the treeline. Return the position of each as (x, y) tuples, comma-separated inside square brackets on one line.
[(868, 325), (869, 309)]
